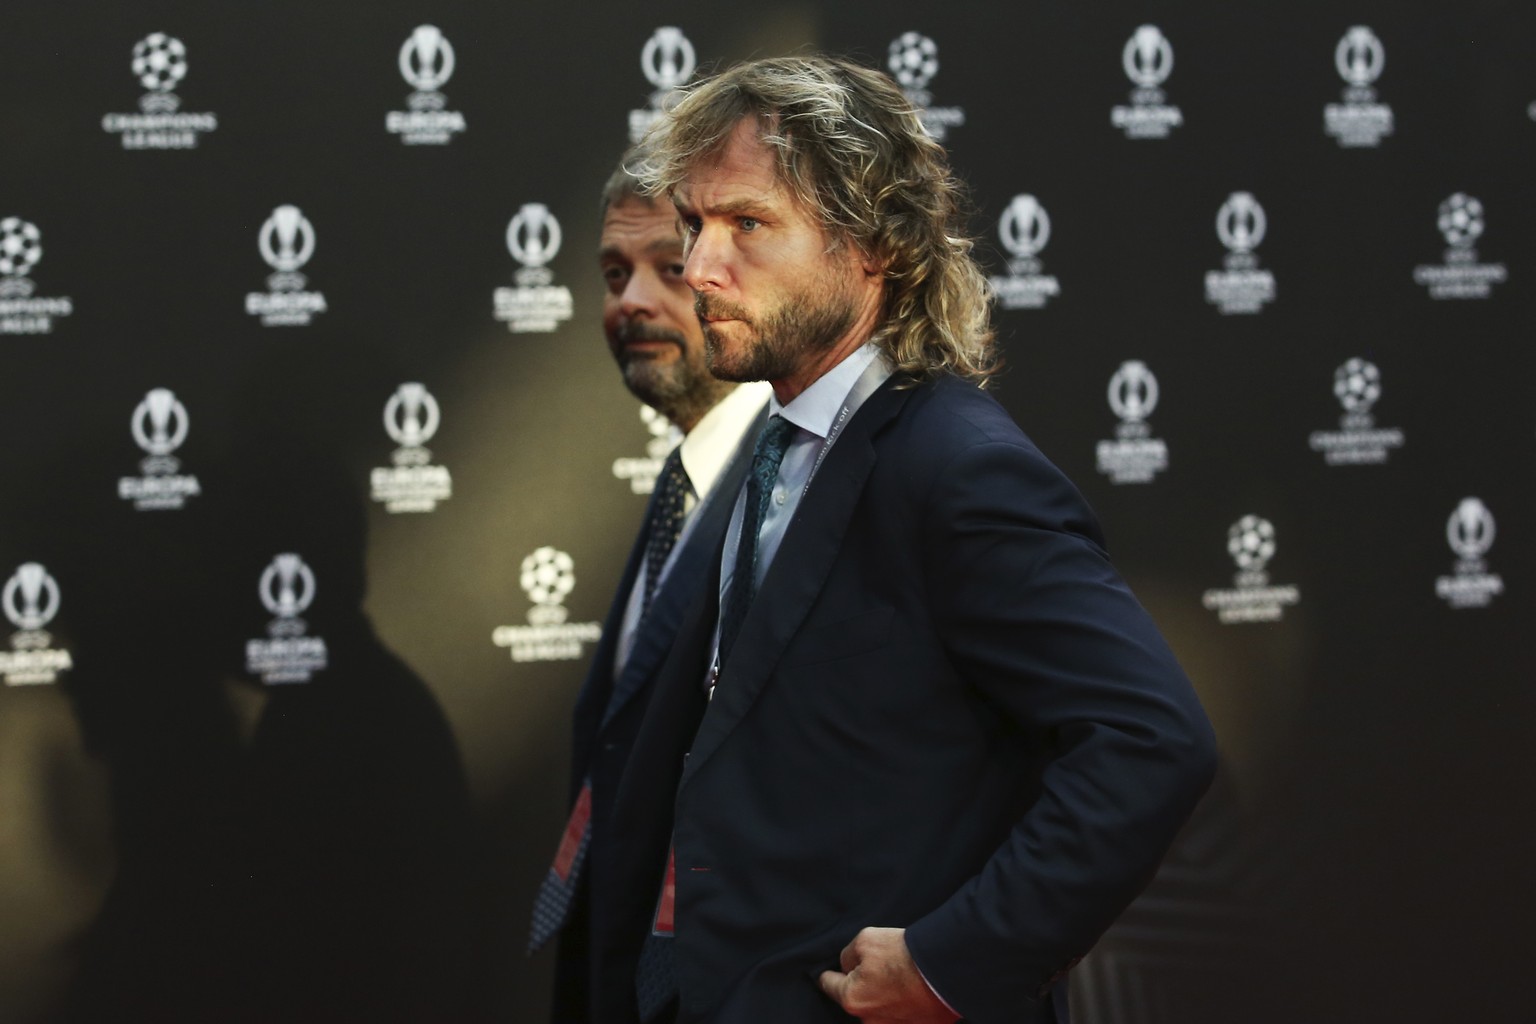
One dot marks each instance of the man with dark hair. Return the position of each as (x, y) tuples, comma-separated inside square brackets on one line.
[(656, 340), (919, 745)]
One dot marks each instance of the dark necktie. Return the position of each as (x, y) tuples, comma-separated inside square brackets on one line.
[(666, 525), (766, 457), (553, 904)]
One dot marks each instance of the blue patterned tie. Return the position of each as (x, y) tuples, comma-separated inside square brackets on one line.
[(771, 444)]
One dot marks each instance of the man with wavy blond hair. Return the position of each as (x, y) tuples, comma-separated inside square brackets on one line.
[(918, 745)]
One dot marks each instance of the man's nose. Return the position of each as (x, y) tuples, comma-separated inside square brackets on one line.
[(708, 265), (641, 294)]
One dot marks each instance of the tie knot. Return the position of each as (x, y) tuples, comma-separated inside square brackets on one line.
[(772, 442)]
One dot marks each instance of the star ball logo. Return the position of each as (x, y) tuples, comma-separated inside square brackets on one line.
[(159, 426), (668, 60), (1241, 286), (1134, 456), (1024, 228), (31, 599), (287, 589), (412, 484), (535, 305), (1251, 544), (1358, 441), (642, 472), (1358, 121), (1469, 531), (286, 242), (159, 64), (1461, 221), (913, 60), (22, 312), (547, 576), (1148, 61), (426, 61)]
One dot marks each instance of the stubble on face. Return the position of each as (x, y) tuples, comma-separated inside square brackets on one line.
[(681, 388), (781, 340)]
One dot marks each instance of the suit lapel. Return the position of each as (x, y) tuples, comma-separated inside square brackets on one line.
[(799, 570), (653, 638)]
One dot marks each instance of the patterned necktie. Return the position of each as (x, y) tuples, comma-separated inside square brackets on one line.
[(667, 514), (771, 445), (553, 904)]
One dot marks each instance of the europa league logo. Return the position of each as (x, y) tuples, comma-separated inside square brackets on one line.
[(426, 59), (1024, 227), (668, 59), (1240, 223), (1133, 391), (30, 597), (1470, 529), (1148, 57), (287, 588)]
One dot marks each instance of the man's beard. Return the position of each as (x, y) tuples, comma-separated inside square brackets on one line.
[(780, 342), (679, 389)]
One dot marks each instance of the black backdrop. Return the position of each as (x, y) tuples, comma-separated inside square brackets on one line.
[(175, 833)]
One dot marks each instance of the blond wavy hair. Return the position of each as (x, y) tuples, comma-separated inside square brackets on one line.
[(851, 150)]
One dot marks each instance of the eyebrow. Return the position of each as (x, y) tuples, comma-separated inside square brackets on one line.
[(733, 208)]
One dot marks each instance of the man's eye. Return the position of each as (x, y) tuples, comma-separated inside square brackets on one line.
[(749, 224), (675, 269), (615, 276), (691, 225)]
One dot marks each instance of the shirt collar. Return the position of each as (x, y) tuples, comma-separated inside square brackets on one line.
[(714, 439), (815, 408)]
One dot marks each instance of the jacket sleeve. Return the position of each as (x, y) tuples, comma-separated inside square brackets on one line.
[(1041, 627)]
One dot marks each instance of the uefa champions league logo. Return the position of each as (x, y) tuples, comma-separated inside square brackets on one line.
[(1357, 385), (1133, 391), (1240, 223), (1147, 57), (21, 247), (1251, 543), (667, 59), (159, 63), (1470, 529), (1359, 57), (548, 576), (1358, 441), (426, 59), (913, 60), (1460, 220), (1024, 227), (30, 597)]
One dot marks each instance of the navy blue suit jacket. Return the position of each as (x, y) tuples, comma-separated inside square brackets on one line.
[(608, 713), (945, 711)]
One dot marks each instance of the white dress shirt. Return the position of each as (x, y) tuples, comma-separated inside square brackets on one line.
[(706, 449)]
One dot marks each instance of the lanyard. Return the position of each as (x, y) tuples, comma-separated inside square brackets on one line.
[(874, 375)]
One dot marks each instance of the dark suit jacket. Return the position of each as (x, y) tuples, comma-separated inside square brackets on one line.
[(945, 711), (608, 713)]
